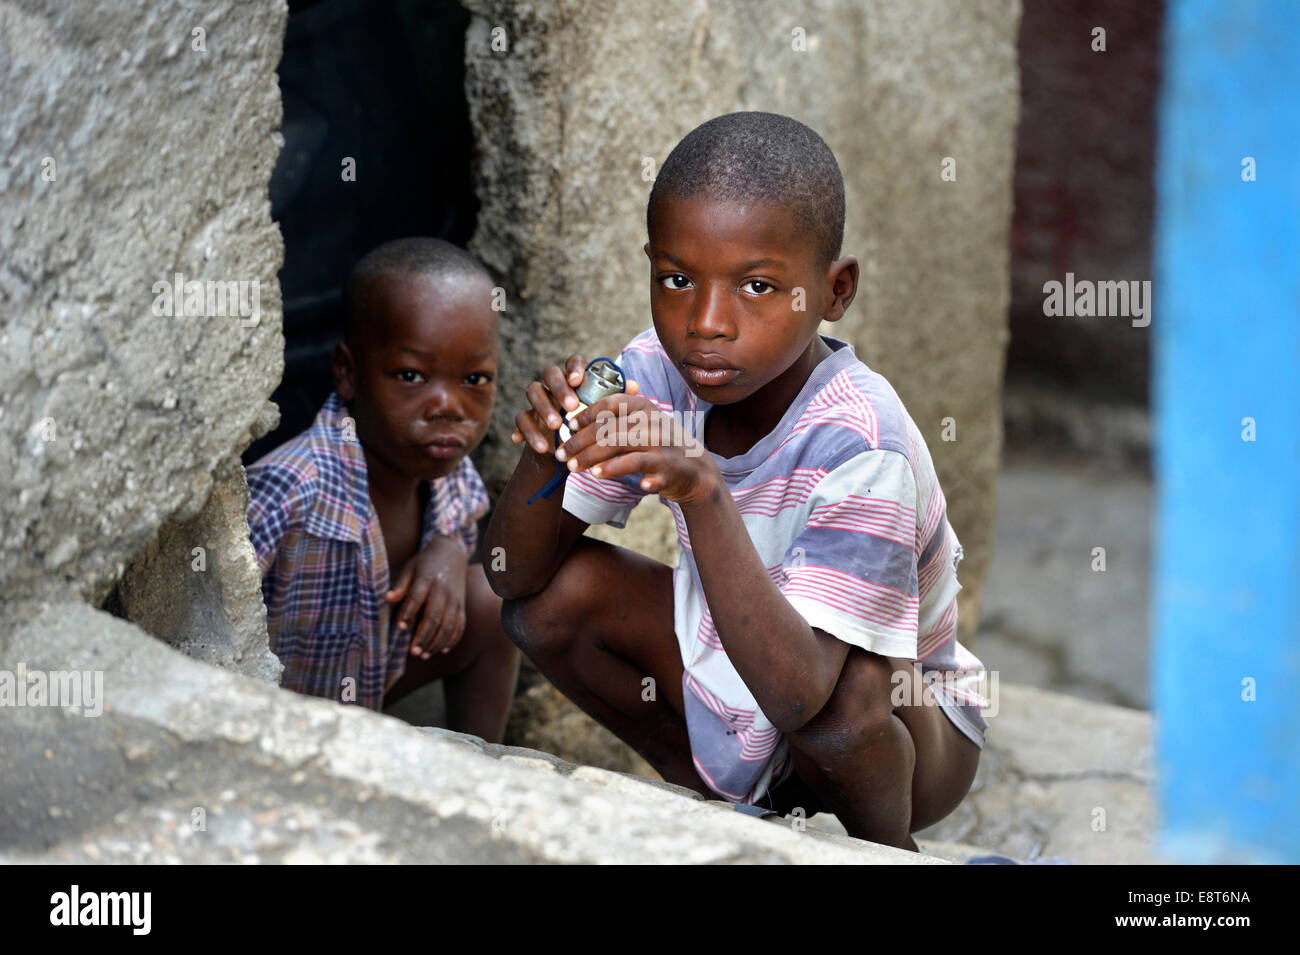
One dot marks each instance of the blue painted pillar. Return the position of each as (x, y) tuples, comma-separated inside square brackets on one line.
[(1226, 611)]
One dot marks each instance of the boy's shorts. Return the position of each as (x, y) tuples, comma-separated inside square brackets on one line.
[(966, 716)]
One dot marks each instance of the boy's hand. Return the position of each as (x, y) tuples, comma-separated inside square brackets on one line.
[(670, 461), (433, 585), (549, 401)]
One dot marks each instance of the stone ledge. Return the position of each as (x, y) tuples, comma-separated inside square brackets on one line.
[(282, 777), (1060, 777), (278, 777)]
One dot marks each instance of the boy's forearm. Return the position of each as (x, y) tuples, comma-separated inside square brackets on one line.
[(782, 660), (526, 533)]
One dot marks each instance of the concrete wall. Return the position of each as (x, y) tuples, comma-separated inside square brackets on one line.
[(583, 94), (129, 156)]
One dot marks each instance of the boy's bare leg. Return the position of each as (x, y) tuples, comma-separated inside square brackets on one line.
[(885, 771), (479, 674), (605, 623), (600, 628)]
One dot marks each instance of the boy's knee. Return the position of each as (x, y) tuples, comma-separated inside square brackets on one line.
[(856, 715), (521, 622), (536, 625), (545, 622)]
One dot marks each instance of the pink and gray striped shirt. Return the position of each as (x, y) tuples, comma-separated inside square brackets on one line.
[(844, 509)]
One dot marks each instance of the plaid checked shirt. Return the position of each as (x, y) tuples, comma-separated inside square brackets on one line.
[(324, 565)]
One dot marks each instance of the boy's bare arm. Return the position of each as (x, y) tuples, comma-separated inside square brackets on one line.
[(789, 666), (535, 538)]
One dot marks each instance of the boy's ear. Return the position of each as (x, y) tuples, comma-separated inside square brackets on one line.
[(842, 277), (646, 247), (345, 372)]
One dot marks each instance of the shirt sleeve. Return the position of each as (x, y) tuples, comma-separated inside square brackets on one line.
[(852, 570), (456, 504), (610, 500), (271, 492)]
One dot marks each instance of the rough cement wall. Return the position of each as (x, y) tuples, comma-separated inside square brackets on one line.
[(583, 93), (198, 586), (130, 156)]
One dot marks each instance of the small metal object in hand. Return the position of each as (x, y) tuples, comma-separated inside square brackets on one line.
[(603, 378)]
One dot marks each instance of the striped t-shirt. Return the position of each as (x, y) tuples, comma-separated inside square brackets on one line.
[(844, 509)]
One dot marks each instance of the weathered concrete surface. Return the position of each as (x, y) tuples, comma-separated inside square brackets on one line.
[(1046, 421), (1060, 777), (114, 419), (273, 776), (1053, 617), (198, 587), (282, 777), (541, 718), (544, 718), (566, 116), (1051, 762)]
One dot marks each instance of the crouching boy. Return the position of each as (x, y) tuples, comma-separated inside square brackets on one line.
[(786, 661), (364, 523)]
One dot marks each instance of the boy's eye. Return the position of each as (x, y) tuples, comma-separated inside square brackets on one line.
[(409, 375), (759, 287), (484, 379), (672, 282)]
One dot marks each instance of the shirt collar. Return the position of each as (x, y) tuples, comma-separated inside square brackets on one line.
[(841, 357)]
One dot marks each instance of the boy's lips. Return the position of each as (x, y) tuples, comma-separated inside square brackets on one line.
[(443, 447), (708, 369)]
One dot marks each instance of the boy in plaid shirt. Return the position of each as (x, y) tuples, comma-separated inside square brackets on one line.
[(364, 523)]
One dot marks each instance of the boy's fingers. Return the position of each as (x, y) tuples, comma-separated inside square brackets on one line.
[(633, 462), (446, 620), (582, 437), (614, 404), (415, 598), (542, 400), (594, 455), (398, 591), (558, 384), (457, 631), (422, 641), (526, 423), (587, 447), (574, 369), (591, 414)]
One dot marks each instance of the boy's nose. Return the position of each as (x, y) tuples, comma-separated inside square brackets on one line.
[(442, 402), (710, 318)]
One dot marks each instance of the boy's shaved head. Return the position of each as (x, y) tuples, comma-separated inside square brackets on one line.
[(434, 258), (753, 156)]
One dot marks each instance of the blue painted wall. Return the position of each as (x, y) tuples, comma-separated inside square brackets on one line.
[(1226, 611)]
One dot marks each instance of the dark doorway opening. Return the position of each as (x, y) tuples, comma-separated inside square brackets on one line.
[(381, 83)]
